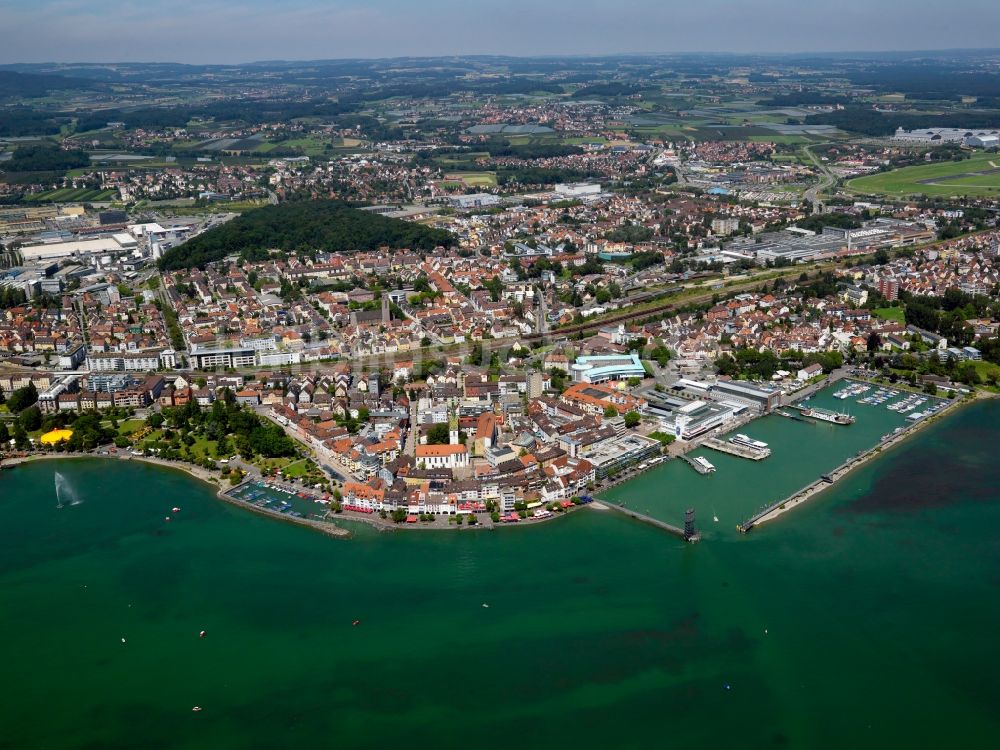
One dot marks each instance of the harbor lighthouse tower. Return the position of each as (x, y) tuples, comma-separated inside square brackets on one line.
[(690, 533)]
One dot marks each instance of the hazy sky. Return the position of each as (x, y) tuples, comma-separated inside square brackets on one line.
[(213, 31)]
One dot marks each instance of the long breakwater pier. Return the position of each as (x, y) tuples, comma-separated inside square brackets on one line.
[(825, 480), (688, 533)]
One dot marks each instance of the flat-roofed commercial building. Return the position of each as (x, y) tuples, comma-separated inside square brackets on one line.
[(608, 456), (600, 368), (761, 399), (689, 419), (55, 250)]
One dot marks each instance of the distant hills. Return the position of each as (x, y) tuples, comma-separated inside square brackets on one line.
[(13, 84), (306, 227)]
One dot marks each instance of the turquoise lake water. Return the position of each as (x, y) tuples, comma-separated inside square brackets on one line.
[(865, 619)]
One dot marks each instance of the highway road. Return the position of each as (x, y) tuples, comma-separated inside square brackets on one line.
[(827, 180)]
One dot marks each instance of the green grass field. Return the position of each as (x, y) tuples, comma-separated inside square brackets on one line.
[(896, 314), (129, 426), (474, 179), (296, 469), (946, 178), (65, 195), (310, 145), (986, 369)]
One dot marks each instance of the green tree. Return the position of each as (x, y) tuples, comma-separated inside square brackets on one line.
[(20, 437), (438, 434), (22, 398), (632, 419), (661, 354), (31, 418), (610, 412)]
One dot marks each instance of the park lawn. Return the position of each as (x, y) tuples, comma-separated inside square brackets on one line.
[(128, 426), (152, 437), (205, 448), (949, 178), (297, 469), (897, 314), (271, 463)]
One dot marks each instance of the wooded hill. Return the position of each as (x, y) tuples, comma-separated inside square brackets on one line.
[(304, 227)]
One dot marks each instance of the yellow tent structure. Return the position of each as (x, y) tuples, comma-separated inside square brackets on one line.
[(56, 436)]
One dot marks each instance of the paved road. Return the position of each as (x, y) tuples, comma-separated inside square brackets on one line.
[(827, 179)]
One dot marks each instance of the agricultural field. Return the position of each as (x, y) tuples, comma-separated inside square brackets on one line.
[(979, 175), (794, 140), (67, 195), (445, 159), (314, 145)]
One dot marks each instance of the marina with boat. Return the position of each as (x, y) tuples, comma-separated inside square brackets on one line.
[(825, 415), (809, 455)]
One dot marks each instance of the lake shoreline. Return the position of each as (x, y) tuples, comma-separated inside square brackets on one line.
[(196, 472)]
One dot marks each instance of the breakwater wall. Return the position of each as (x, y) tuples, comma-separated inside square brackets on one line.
[(669, 528), (775, 509)]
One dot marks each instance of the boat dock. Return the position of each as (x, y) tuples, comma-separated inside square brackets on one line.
[(677, 531), (701, 466), (231, 496), (735, 450)]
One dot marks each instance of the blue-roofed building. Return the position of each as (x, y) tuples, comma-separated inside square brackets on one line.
[(600, 368)]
